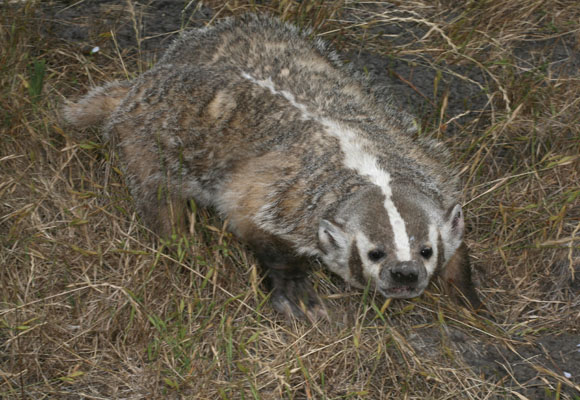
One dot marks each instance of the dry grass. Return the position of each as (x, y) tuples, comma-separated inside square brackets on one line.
[(93, 306)]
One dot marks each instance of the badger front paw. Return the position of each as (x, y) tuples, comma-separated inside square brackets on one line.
[(296, 298), (286, 277)]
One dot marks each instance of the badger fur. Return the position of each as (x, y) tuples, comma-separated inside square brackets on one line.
[(301, 155)]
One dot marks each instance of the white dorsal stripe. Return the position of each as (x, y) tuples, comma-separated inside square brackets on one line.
[(355, 158)]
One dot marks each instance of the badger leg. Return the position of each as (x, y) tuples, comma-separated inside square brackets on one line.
[(286, 277), (162, 212), (457, 279), (161, 203)]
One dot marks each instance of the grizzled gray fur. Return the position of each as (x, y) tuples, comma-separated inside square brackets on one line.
[(258, 120)]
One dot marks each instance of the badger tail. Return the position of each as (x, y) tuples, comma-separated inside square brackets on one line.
[(96, 106)]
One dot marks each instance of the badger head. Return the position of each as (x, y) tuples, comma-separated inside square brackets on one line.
[(397, 243)]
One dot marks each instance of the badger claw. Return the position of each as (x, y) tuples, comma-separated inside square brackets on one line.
[(296, 298)]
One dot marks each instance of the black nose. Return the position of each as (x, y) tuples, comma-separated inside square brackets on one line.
[(405, 273)]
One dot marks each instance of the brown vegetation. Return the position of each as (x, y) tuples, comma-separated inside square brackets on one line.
[(92, 305)]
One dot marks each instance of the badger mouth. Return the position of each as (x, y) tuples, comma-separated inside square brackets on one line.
[(401, 292)]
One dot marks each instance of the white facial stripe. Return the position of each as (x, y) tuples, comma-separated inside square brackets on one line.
[(431, 263), (355, 158), (370, 269), (366, 164)]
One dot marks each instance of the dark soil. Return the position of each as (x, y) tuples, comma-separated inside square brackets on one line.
[(87, 24)]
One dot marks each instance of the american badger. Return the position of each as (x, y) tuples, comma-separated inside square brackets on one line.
[(302, 156)]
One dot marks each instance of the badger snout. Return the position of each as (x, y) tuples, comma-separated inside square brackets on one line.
[(404, 279), (405, 273)]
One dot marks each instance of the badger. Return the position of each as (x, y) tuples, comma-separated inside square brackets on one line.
[(304, 157)]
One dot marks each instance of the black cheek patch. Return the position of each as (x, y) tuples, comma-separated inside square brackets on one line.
[(440, 255), (355, 264)]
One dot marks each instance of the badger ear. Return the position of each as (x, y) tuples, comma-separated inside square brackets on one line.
[(331, 236), (455, 223)]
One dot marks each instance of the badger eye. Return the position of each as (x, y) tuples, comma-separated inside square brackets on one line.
[(426, 252), (376, 255)]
